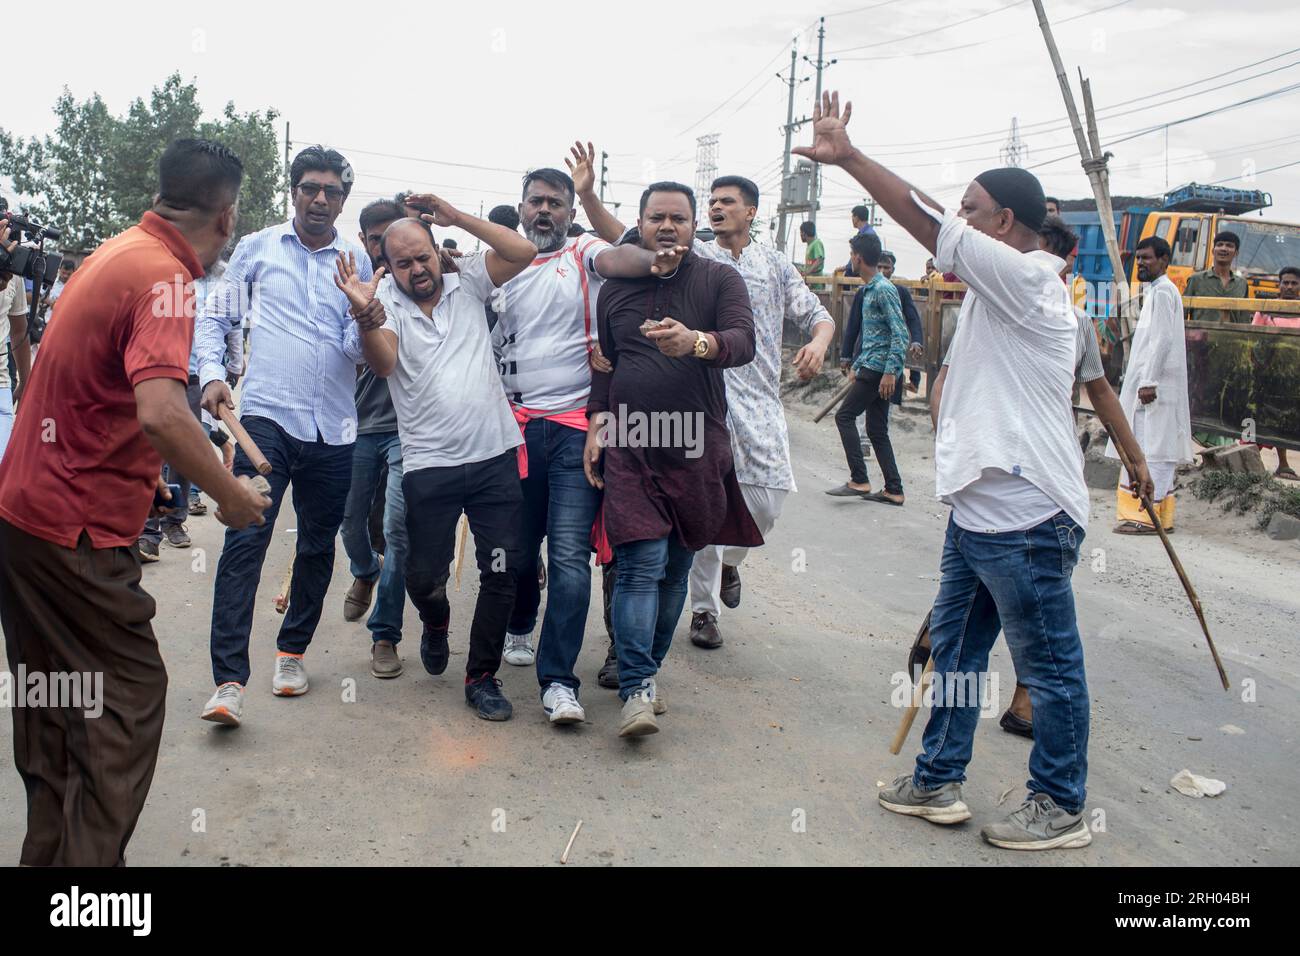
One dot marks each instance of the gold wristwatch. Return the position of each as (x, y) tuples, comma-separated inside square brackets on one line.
[(701, 345)]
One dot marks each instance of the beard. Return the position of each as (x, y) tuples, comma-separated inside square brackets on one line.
[(548, 241)]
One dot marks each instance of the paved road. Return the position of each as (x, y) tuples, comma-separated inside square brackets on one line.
[(773, 746)]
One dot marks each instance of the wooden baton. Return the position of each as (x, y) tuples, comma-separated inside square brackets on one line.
[(254, 453), (1178, 565), (835, 400)]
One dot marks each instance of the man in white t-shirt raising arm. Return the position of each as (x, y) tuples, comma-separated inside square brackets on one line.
[(1007, 461), (544, 335), (457, 432)]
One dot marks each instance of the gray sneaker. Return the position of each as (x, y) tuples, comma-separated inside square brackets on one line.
[(1039, 824), (638, 718), (941, 805)]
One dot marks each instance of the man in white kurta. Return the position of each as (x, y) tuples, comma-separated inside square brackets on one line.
[(755, 416), (1154, 396)]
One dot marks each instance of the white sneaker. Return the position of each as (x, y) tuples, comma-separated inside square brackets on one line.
[(519, 649), (290, 676), (561, 705), (226, 705), (639, 712)]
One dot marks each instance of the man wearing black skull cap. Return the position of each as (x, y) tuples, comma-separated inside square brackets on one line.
[(1007, 461)]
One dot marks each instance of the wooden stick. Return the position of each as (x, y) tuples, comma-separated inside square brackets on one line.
[(564, 857), (254, 453), (835, 400), (460, 547), (1178, 565), (909, 715)]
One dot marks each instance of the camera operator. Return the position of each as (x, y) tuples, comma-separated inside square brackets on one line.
[(106, 404), (13, 333)]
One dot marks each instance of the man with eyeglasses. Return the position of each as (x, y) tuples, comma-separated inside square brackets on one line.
[(297, 405)]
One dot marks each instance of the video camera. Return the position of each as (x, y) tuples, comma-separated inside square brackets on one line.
[(31, 262)]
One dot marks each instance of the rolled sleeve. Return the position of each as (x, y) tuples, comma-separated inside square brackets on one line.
[(801, 305)]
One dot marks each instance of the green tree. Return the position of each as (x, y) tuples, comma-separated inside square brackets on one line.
[(98, 173)]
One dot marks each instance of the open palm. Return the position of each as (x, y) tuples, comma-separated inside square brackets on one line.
[(359, 293), (831, 145)]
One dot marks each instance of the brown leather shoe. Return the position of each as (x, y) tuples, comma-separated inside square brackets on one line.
[(730, 593), (357, 601), (704, 631), (384, 661)]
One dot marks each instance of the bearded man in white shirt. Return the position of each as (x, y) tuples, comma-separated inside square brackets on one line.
[(1007, 461), (1154, 396)]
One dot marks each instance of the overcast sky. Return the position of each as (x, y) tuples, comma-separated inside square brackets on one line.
[(405, 89)]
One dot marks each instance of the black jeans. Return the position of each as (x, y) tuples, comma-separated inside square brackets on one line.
[(321, 475), (865, 397), (489, 495)]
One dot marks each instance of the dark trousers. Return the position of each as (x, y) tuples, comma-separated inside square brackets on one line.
[(488, 494), (153, 527), (865, 397), (87, 769), (321, 475)]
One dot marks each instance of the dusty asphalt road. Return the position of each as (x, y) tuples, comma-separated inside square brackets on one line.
[(790, 721)]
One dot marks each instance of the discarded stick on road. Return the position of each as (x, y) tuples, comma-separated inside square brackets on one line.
[(909, 715)]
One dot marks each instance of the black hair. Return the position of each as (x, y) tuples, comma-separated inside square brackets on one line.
[(1156, 245), (552, 177), (507, 216), (1288, 271), (1059, 237), (860, 212), (320, 159), (575, 230), (381, 210), (748, 189), (198, 174), (867, 246), (1053, 200), (886, 254), (449, 243), (808, 227), (668, 186), (1227, 236)]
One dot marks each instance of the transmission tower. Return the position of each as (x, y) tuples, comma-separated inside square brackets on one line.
[(706, 168), (1015, 150)]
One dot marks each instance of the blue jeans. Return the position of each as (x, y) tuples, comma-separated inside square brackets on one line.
[(649, 594), (560, 506), (1017, 582), (373, 457), (320, 475)]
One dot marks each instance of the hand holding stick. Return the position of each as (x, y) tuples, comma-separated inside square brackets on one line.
[(254, 453)]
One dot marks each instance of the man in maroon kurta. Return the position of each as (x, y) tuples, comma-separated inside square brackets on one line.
[(660, 420)]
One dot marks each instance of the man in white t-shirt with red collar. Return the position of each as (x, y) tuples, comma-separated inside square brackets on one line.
[(543, 337), (1007, 460)]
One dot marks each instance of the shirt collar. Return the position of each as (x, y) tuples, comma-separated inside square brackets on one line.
[(287, 229), (176, 244), (388, 286)]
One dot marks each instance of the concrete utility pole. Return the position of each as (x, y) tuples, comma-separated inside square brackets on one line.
[(785, 157), (817, 98), (1094, 164), (706, 167), (603, 157)]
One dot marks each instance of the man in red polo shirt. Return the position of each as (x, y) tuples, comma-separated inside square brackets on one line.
[(104, 406)]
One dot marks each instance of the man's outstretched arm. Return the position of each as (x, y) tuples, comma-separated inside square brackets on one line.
[(832, 147)]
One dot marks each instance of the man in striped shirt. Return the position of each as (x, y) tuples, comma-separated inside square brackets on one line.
[(297, 404)]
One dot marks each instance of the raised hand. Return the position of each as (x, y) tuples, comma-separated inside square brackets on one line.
[(582, 167), (360, 294), (831, 145), (433, 210), (667, 260)]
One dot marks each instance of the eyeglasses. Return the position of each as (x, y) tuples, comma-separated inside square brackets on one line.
[(312, 190)]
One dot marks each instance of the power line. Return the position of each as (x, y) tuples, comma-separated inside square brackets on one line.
[(923, 33), (1258, 172), (967, 46)]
